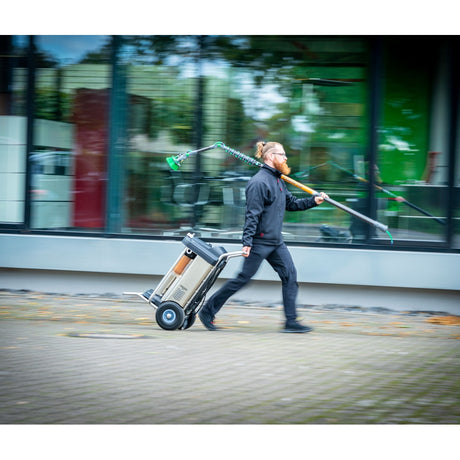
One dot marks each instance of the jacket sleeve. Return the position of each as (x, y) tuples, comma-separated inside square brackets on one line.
[(255, 200), (299, 204)]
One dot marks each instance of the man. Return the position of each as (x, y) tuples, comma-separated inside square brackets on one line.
[(267, 198)]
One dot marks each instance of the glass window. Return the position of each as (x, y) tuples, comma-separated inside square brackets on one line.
[(310, 95), (69, 158), (173, 94), (411, 174), (456, 188), (161, 88), (307, 93), (13, 123)]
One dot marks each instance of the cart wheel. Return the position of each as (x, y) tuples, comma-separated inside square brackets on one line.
[(189, 321), (169, 316)]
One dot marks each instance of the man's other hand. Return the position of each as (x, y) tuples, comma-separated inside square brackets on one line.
[(246, 250), (320, 198)]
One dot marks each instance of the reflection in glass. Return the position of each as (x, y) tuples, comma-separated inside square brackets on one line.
[(309, 94), (413, 150), (13, 132), (109, 110), (71, 132)]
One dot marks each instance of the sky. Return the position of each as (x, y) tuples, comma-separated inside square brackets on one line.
[(69, 49)]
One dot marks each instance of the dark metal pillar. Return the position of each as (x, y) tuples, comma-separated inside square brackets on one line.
[(30, 117), (198, 129), (117, 142), (375, 107)]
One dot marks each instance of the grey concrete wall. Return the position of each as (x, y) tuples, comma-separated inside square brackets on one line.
[(369, 278)]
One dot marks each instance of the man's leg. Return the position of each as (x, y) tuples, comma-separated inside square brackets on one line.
[(281, 261), (250, 266)]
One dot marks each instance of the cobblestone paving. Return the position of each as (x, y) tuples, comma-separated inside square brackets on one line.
[(93, 360)]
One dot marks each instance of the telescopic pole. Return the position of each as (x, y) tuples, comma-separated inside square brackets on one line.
[(175, 161)]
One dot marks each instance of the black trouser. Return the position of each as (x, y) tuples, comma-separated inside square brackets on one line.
[(280, 259)]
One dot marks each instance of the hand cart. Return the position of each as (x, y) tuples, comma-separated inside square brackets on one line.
[(180, 294)]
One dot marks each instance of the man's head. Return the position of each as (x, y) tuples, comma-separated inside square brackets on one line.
[(273, 154)]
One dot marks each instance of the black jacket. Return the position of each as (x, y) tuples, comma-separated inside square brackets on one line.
[(267, 198)]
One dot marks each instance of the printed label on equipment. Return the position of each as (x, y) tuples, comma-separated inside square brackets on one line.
[(179, 293)]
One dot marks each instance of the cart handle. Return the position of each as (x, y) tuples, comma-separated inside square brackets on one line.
[(229, 255)]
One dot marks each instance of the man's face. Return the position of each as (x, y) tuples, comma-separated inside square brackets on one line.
[(280, 161)]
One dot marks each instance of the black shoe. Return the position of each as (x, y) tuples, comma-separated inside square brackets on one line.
[(206, 319), (294, 326)]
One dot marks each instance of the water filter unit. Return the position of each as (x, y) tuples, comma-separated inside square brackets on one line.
[(181, 292)]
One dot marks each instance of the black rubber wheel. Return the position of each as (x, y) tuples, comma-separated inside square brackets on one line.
[(169, 316), (189, 321)]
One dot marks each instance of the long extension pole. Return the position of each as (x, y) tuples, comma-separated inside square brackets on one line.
[(175, 161)]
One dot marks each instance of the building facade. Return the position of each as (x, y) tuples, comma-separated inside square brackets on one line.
[(86, 123)]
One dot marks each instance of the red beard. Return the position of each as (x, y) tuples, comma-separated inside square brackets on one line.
[(283, 168)]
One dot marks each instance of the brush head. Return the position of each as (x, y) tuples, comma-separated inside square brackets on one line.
[(172, 163)]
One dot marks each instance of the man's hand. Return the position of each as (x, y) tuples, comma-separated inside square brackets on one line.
[(246, 250), (320, 198)]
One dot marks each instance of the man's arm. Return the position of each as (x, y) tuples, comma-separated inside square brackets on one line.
[(254, 207), (302, 204)]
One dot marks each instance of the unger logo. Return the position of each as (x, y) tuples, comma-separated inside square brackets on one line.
[(180, 292)]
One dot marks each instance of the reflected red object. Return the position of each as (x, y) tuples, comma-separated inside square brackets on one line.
[(91, 140)]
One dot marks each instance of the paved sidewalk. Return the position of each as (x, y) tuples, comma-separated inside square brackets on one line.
[(93, 360)]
